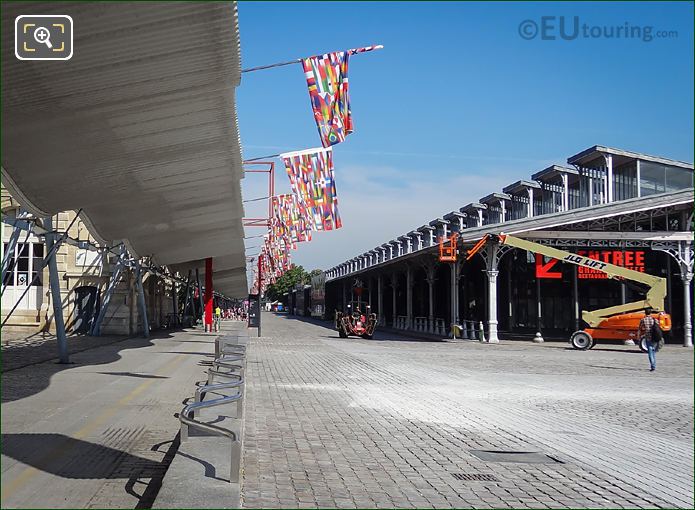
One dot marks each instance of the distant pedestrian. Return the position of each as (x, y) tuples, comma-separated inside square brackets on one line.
[(647, 329)]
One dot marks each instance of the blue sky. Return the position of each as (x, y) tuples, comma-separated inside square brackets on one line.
[(458, 104)]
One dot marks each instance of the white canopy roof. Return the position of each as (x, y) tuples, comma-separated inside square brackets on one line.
[(138, 129)]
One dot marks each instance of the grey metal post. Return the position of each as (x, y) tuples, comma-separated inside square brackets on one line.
[(113, 281), (175, 301), (55, 294), (200, 293), (187, 294), (142, 306), (575, 297)]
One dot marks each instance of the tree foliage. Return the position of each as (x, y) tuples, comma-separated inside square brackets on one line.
[(286, 283)]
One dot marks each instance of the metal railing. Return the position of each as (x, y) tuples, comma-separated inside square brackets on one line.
[(229, 364), (469, 330)]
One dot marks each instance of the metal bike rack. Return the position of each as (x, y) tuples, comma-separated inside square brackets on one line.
[(214, 370), (187, 420), (229, 364), (201, 391)]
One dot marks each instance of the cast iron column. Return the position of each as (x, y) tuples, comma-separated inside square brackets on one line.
[(687, 277), (380, 299), (409, 297)]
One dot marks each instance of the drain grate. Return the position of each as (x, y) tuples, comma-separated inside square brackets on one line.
[(512, 456), (474, 477)]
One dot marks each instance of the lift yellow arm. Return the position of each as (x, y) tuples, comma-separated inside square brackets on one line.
[(656, 286)]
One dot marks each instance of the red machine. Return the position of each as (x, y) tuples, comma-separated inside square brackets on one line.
[(355, 322)]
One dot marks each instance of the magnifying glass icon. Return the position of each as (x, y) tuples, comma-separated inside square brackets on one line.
[(43, 36)]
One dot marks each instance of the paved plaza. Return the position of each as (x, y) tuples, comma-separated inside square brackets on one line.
[(393, 422), (98, 433)]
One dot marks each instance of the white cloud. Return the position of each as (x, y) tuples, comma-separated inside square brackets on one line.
[(377, 204)]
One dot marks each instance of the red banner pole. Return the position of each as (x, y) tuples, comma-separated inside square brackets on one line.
[(207, 321)]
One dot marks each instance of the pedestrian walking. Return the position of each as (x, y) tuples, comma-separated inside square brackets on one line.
[(648, 332)]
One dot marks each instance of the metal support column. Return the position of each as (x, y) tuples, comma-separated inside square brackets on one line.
[(492, 256), (539, 305), (344, 297), (409, 297), (142, 305), (187, 295), (394, 291), (510, 296), (454, 293), (429, 271), (380, 299), (200, 295), (687, 311), (492, 305), (56, 298), (9, 253), (575, 297), (113, 281)]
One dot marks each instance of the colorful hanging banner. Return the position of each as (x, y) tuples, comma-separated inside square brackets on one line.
[(327, 79), (313, 181), (293, 221)]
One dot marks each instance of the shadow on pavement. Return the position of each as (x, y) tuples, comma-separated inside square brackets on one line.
[(192, 352), (30, 380), (71, 458), (67, 457), (132, 374)]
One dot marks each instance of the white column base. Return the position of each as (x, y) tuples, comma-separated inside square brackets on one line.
[(493, 333)]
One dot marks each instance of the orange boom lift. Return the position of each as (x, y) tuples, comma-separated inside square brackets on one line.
[(616, 323)]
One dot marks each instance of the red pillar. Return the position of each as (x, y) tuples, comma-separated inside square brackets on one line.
[(208, 294)]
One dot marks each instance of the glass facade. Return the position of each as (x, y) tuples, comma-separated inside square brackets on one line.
[(657, 178), (625, 181)]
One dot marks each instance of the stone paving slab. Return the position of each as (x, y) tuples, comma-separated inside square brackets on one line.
[(347, 423), (199, 474), (21, 350), (198, 477), (98, 433)]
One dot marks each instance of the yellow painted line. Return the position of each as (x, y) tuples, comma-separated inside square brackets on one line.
[(27, 25), (62, 27), (29, 472), (25, 47)]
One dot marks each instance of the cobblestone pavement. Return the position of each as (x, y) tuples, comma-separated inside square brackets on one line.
[(21, 350), (389, 422)]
